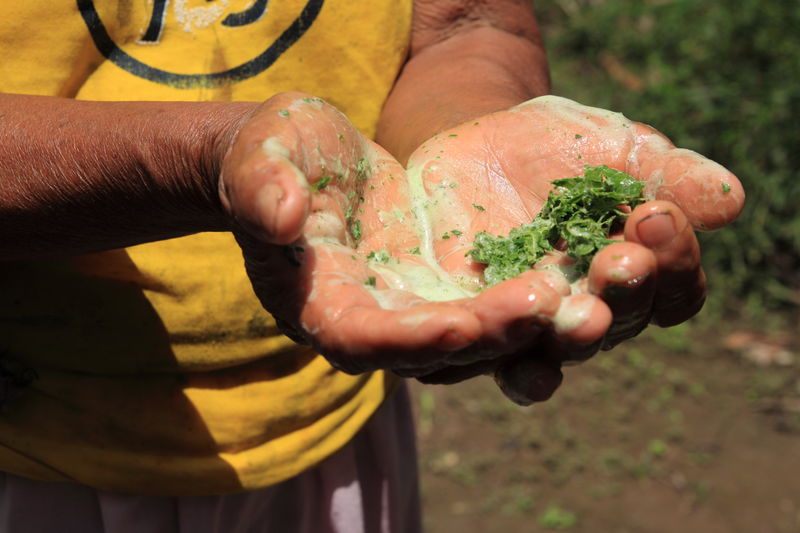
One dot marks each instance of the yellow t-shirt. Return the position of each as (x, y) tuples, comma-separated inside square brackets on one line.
[(157, 369)]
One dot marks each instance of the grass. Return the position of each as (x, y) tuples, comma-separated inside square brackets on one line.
[(554, 517)]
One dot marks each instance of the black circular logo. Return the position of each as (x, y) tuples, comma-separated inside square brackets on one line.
[(106, 45)]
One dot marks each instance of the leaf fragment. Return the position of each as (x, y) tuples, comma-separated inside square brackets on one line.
[(581, 210)]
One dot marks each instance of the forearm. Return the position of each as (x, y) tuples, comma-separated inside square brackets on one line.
[(477, 67), (83, 176)]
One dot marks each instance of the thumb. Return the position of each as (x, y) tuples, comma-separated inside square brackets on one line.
[(266, 194), (709, 195)]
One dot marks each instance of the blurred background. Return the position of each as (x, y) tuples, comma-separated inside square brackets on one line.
[(694, 428)]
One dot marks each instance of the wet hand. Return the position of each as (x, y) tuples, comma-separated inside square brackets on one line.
[(366, 261), (336, 241), (510, 158)]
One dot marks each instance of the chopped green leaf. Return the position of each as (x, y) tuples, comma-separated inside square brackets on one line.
[(445, 236), (283, 112), (578, 136), (414, 250), (455, 232), (380, 256), (726, 188), (580, 210), (363, 169), (479, 207), (452, 135), (355, 230), (321, 183), (371, 281)]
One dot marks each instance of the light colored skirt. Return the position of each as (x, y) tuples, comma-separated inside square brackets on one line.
[(369, 486)]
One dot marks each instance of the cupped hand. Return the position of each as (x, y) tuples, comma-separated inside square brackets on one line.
[(495, 173), (337, 245), (367, 261)]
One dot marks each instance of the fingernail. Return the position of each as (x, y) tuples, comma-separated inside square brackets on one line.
[(621, 289), (268, 206), (656, 230), (573, 312)]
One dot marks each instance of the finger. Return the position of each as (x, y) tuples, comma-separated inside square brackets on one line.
[(623, 274), (681, 284), (343, 317), (266, 195), (709, 194), (385, 209), (581, 324), (513, 313), (292, 143), (368, 338), (526, 379), (460, 332), (457, 373), (582, 319), (415, 372)]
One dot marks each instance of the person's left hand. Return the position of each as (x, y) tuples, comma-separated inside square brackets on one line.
[(494, 173)]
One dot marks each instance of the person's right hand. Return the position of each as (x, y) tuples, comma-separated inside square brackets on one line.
[(313, 201)]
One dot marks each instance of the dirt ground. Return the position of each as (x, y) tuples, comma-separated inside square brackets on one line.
[(673, 432)]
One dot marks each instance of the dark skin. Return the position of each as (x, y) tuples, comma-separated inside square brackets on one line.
[(207, 170)]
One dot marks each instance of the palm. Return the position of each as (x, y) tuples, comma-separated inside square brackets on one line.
[(324, 285), (381, 238), (311, 198), (502, 165), (491, 175)]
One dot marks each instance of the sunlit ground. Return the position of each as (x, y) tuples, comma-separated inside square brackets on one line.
[(666, 434)]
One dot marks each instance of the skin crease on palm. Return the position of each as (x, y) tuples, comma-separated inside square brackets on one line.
[(417, 305)]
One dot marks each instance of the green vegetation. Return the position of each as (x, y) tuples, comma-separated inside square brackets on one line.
[(580, 210), (644, 423), (554, 517), (716, 80), (355, 230), (379, 256), (321, 183)]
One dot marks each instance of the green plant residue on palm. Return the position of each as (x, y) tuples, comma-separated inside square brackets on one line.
[(580, 210)]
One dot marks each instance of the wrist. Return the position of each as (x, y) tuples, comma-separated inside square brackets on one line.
[(82, 176), (471, 74), (214, 132)]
